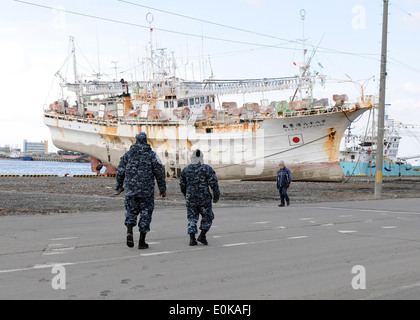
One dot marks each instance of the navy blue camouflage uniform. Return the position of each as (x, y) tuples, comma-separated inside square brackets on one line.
[(137, 170), (195, 182), (284, 179)]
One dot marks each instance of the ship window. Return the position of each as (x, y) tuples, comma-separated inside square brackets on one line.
[(197, 100), (202, 100), (186, 102), (209, 130), (172, 104), (192, 102), (180, 103), (207, 99), (353, 157), (166, 105)]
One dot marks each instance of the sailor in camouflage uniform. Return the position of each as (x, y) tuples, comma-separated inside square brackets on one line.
[(135, 175), (195, 182)]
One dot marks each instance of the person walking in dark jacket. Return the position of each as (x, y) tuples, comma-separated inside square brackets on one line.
[(284, 179), (136, 175), (195, 182)]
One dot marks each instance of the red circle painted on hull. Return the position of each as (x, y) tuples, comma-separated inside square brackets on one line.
[(296, 140)]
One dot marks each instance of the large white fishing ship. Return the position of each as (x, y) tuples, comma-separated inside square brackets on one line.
[(244, 142)]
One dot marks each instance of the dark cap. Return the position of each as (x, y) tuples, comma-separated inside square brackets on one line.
[(141, 137)]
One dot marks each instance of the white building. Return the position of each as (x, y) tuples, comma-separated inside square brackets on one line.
[(35, 147)]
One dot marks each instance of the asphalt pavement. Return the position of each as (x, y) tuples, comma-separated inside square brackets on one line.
[(334, 250)]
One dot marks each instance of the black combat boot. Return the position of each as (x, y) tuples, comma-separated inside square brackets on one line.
[(142, 243), (202, 238), (130, 239), (193, 241)]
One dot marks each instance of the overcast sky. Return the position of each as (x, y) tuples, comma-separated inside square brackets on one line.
[(258, 39)]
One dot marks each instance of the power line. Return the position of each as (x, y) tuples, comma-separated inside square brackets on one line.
[(404, 65), (405, 11), (148, 27), (241, 29), (258, 45), (278, 46), (207, 21)]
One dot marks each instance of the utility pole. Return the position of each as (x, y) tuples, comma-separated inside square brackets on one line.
[(381, 116)]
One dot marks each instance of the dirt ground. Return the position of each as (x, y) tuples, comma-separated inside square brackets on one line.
[(75, 195)]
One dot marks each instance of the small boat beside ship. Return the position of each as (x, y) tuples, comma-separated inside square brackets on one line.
[(358, 155)]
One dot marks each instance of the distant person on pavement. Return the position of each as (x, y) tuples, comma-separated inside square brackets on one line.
[(284, 179), (195, 182), (135, 175)]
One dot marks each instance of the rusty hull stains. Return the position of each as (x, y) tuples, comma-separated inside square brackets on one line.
[(332, 145)]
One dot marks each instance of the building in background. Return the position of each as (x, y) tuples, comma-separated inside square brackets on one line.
[(35, 147)]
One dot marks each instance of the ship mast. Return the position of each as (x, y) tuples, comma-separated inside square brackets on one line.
[(381, 116), (149, 19), (76, 79), (305, 65)]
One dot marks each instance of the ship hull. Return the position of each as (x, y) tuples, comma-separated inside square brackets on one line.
[(240, 150), (389, 169)]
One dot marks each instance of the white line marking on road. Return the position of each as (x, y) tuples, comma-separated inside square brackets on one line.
[(411, 286), (345, 216), (120, 258), (390, 227), (300, 237), (354, 209), (55, 244), (216, 237), (327, 225), (262, 222), (63, 249), (153, 242), (347, 231), (51, 264), (156, 253), (235, 244), (367, 210), (304, 219), (16, 270), (281, 227), (393, 291), (51, 253), (60, 239)]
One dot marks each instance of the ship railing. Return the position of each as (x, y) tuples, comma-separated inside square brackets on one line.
[(318, 111), (220, 117), (248, 86)]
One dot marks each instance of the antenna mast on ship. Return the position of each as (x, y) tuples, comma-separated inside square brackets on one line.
[(149, 19), (76, 78), (305, 64)]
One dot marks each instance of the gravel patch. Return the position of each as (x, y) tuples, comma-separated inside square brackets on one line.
[(25, 196)]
